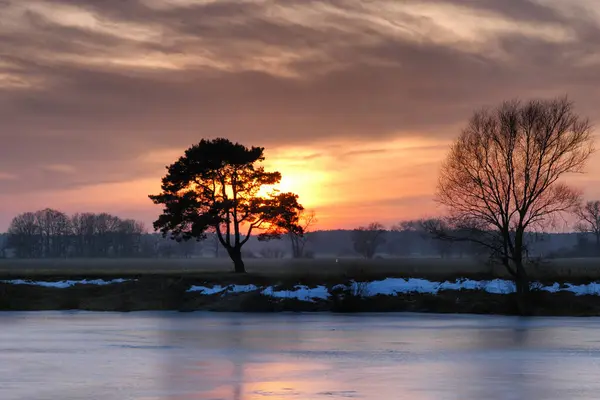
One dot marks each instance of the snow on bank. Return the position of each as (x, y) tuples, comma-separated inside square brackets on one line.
[(65, 284), (388, 286)]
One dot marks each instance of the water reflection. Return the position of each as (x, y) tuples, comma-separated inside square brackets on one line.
[(417, 357), (204, 356)]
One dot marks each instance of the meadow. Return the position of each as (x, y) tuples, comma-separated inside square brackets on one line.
[(318, 269)]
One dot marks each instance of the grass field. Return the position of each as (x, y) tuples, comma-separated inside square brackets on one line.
[(431, 268)]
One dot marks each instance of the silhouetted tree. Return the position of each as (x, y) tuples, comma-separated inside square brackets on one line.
[(55, 231), (404, 237), (105, 228), (500, 179), (299, 238), (79, 229), (128, 238), (442, 246), (217, 184), (367, 239), (24, 236), (3, 245), (149, 245), (589, 219)]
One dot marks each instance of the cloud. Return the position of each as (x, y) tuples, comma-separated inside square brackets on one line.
[(5, 176), (114, 88), (367, 152), (60, 168)]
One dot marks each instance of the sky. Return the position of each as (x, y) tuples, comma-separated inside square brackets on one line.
[(355, 102)]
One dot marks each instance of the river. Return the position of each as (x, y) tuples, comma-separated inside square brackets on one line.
[(202, 356)]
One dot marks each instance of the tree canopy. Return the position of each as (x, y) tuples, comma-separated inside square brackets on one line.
[(218, 186)]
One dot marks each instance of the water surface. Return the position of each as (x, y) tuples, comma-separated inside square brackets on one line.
[(201, 356)]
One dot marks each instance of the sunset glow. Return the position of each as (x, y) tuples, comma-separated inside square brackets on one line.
[(355, 104)]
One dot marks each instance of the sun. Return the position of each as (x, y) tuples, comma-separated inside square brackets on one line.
[(307, 184), (305, 172), (289, 184)]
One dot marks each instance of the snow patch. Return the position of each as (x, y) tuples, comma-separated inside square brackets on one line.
[(206, 290), (244, 288), (65, 284), (222, 289), (393, 286), (552, 289), (592, 289), (300, 292)]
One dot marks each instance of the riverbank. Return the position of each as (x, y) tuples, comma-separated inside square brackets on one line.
[(256, 294)]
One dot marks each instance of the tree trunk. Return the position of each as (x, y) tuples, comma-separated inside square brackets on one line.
[(295, 246), (521, 278), (236, 256), (523, 290)]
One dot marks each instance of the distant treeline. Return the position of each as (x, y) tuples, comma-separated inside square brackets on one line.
[(51, 233), (406, 242)]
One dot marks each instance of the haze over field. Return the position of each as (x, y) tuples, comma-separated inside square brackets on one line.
[(356, 102)]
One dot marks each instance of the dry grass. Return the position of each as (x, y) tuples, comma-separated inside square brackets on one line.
[(314, 269)]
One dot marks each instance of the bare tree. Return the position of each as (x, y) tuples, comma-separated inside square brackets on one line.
[(55, 230), (128, 238), (501, 177), (83, 226), (441, 245), (404, 235), (589, 219), (105, 228), (367, 239), (298, 237), (24, 236)]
